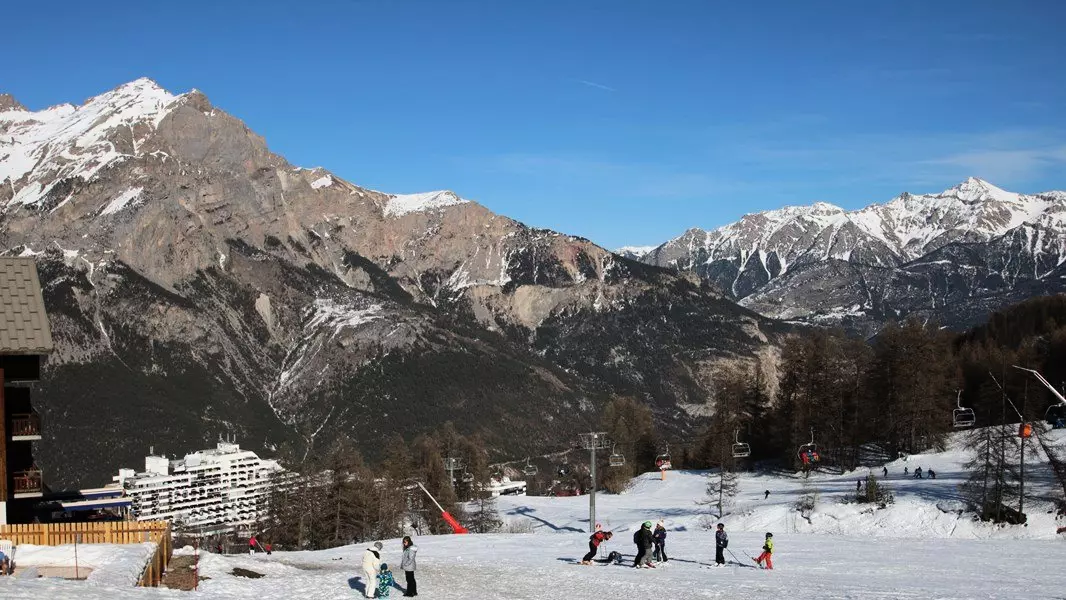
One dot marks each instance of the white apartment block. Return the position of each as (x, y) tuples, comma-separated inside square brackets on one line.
[(211, 490)]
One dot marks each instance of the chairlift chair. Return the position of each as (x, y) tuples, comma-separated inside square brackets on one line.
[(962, 417), (530, 469), (740, 449), (808, 452), (616, 459), (468, 477), (663, 460)]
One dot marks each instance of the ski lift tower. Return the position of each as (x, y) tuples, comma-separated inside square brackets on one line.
[(593, 442), (451, 465)]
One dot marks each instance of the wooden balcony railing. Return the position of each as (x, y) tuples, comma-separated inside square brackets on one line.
[(28, 482), (25, 424)]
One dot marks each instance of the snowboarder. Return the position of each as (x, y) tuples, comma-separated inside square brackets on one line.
[(407, 563), (917, 472), (594, 544), (766, 494), (721, 542), (767, 552), (659, 538), (371, 566), (932, 474), (884, 471), (644, 541), (385, 581)]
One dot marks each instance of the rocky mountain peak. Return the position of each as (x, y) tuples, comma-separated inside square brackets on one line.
[(8, 102), (974, 190)]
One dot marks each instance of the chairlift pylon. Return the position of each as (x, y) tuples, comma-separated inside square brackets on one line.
[(960, 416), (740, 449)]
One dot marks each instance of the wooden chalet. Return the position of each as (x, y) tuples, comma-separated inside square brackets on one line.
[(25, 341)]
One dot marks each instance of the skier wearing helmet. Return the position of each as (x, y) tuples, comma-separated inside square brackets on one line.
[(644, 540), (767, 552)]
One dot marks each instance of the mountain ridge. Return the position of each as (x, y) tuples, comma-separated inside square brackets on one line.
[(200, 284)]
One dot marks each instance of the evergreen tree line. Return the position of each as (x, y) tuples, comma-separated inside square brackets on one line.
[(337, 498)]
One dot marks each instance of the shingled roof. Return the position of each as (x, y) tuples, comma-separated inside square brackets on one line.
[(24, 325)]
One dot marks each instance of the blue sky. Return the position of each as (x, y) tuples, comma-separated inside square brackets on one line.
[(625, 122)]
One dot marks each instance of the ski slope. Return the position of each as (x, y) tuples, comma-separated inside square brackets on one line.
[(919, 547)]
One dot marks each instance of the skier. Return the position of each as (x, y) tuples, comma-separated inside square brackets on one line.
[(269, 548), (252, 543), (371, 565), (766, 494), (644, 541), (884, 471), (594, 544), (932, 474), (767, 552), (385, 581), (904, 470), (5, 564), (407, 563), (917, 472), (858, 485), (659, 538), (721, 542)]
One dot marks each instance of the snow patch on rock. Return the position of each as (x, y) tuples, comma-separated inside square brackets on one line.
[(322, 182), (410, 203), (128, 198)]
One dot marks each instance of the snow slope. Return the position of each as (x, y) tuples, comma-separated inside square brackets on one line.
[(904, 551)]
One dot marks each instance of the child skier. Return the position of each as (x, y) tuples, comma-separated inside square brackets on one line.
[(767, 552), (721, 542), (659, 539), (594, 544), (385, 581)]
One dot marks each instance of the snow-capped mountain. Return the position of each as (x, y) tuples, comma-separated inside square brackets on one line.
[(199, 284), (953, 255)]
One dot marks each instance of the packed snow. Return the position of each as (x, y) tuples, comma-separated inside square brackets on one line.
[(919, 547), (410, 203)]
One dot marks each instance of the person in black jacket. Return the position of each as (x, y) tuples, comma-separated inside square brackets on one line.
[(721, 542), (644, 541)]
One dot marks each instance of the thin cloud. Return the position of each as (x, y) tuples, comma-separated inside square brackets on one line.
[(599, 86)]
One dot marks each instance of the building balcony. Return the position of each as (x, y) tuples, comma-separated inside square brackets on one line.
[(28, 484), (25, 427)]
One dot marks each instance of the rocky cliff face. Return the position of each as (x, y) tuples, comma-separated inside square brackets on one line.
[(200, 285), (951, 256)]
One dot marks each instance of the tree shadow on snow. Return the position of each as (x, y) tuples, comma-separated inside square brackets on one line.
[(528, 512)]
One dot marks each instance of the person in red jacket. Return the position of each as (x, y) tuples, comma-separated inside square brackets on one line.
[(594, 544)]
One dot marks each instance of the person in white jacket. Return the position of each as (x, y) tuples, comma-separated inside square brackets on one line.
[(371, 566)]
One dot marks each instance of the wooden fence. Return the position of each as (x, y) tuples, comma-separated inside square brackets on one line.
[(109, 532)]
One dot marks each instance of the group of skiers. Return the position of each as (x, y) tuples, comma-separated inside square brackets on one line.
[(378, 579), (651, 545)]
